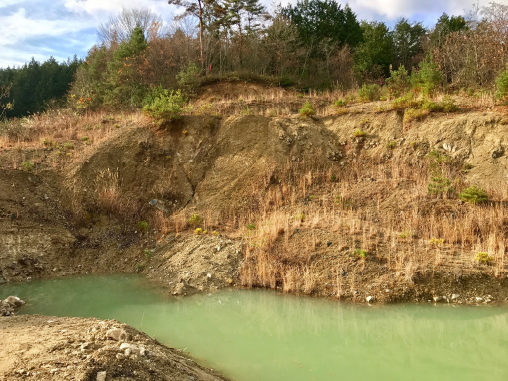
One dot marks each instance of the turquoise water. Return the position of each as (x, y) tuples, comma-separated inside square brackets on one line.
[(259, 335)]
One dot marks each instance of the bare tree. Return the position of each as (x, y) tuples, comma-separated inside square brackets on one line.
[(119, 28), (4, 107)]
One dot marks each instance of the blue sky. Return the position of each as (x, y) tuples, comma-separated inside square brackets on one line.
[(62, 28)]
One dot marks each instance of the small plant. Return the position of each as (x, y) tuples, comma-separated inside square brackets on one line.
[(483, 258), (46, 142), (163, 106), (359, 253), (359, 133), (307, 110), (333, 177), (467, 167), (27, 166), (69, 145), (148, 254), (406, 101), (188, 78), (369, 93), (142, 226), (502, 85), (340, 103), (428, 77), (251, 226), (312, 197), (344, 202), (405, 234), (198, 231), (300, 217), (195, 220), (215, 233), (474, 195), (247, 111), (436, 242), (414, 114), (299, 96), (85, 139), (439, 184), (391, 144), (398, 83), (139, 267), (205, 232), (448, 104)]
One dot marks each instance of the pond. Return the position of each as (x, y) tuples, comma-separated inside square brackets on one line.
[(262, 335)]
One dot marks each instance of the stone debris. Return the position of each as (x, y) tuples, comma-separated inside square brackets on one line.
[(117, 334), (370, 299), (101, 376), (9, 305), (131, 349)]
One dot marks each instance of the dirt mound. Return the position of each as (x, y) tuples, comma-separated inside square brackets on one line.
[(51, 348)]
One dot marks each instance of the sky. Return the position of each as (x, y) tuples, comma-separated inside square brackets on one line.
[(63, 28)]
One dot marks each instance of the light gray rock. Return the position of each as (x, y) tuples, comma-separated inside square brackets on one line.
[(455, 296), (370, 299), (14, 301), (131, 349), (438, 299), (101, 376), (117, 334)]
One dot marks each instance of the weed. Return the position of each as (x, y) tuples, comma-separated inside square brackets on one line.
[(474, 195), (340, 103), (148, 254), (142, 226), (359, 253), (307, 110), (139, 267), (391, 144), (247, 111), (195, 220), (300, 217), (251, 226), (439, 184), (369, 93), (414, 114), (85, 139), (198, 231), (359, 133), (68, 145), (483, 257), (436, 242), (27, 166)]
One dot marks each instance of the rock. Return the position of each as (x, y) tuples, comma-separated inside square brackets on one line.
[(455, 296), (131, 349), (478, 299), (370, 299), (14, 301), (498, 153), (101, 376), (437, 299), (218, 248), (328, 244), (117, 334)]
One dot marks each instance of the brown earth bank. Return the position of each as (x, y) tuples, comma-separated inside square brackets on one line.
[(53, 348), (336, 206)]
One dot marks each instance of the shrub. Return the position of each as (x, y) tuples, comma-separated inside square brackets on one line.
[(406, 101), (439, 184), (448, 104), (398, 83), (340, 103), (198, 231), (359, 133), (502, 85), (142, 226), (414, 114), (163, 106), (188, 78), (428, 78), (474, 195), (27, 166), (359, 253), (369, 93), (195, 220), (483, 257), (307, 110)]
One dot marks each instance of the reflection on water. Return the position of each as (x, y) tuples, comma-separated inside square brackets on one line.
[(259, 335)]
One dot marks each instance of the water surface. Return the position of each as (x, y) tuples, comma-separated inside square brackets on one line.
[(259, 335)]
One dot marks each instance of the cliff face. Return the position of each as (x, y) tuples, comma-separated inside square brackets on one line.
[(335, 206)]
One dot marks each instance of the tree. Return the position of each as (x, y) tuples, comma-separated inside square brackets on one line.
[(197, 8), (407, 42), (374, 56), (444, 26), (119, 28), (317, 20)]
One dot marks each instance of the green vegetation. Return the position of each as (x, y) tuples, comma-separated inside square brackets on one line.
[(142, 226), (307, 110), (439, 184), (163, 106), (359, 253), (369, 93), (148, 254), (483, 257), (195, 219), (198, 231), (27, 166), (359, 133), (474, 195), (502, 85), (251, 226)]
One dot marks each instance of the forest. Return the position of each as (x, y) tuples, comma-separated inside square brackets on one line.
[(315, 44)]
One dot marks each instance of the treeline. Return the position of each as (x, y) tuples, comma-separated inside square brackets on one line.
[(34, 86), (314, 44)]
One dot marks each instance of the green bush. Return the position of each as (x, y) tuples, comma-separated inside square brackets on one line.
[(163, 106), (195, 219), (188, 78), (307, 110), (483, 258), (448, 104), (27, 166), (359, 133), (143, 226), (359, 253), (251, 226), (474, 195), (369, 93), (428, 78), (439, 184), (502, 85), (340, 103), (398, 83), (406, 101)]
